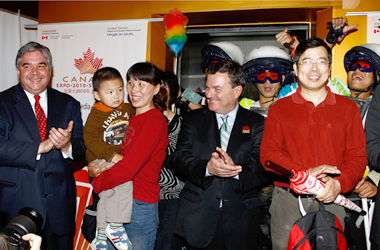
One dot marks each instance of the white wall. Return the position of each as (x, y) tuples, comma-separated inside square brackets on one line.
[(12, 36)]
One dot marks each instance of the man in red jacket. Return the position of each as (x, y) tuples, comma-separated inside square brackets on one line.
[(312, 129)]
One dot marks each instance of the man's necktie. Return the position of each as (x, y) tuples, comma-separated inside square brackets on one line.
[(41, 117), (225, 133)]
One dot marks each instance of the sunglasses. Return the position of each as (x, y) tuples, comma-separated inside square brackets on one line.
[(273, 75), (212, 61), (364, 64)]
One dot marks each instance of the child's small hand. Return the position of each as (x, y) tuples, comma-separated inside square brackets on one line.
[(95, 168), (116, 158)]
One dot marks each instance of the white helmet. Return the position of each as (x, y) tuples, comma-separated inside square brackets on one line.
[(221, 51), (267, 51), (267, 57)]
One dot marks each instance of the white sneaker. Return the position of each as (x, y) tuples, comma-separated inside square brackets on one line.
[(96, 245), (119, 238)]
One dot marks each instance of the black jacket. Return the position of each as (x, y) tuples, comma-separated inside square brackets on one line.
[(200, 198)]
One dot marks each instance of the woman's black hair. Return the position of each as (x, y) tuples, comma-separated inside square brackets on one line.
[(148, 72), (171, 81)]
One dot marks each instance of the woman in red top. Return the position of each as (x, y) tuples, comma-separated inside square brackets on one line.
[(143, 150)]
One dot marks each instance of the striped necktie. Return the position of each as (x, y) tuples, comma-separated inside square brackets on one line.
[(225, 133)]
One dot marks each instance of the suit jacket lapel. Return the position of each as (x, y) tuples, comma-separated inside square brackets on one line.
[(236, 133), (53, 118), (53, 110), (211, 129), (26, 113)]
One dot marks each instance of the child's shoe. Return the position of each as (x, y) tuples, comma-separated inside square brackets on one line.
[(119, 238), (99, 245)]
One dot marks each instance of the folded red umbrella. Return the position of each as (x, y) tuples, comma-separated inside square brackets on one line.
[(302, 182)]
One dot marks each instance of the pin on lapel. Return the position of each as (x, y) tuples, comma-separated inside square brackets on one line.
[(246, 130)]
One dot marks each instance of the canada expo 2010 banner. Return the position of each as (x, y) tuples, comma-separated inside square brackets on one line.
[(79, 49)]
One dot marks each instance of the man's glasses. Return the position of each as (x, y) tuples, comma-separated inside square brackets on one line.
[(308, 63), (273, 75), (364, 64)]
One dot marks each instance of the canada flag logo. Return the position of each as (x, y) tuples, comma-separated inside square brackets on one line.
[(44, 37), (88, 65), (377, 28)]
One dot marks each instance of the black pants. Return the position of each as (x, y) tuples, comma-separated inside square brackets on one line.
[(355, 236), (51, 241)]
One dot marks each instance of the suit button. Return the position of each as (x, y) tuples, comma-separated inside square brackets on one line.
[(222, 179), (218, 197), (46, 195), (47, 175)]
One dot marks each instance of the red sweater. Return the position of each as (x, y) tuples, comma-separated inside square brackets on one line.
[(298, 135), (144, 151)]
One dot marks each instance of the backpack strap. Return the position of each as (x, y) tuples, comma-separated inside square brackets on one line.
[(321, 206), (310, 209), (302, 210)]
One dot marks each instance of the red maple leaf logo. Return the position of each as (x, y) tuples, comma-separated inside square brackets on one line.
[(88, 65)]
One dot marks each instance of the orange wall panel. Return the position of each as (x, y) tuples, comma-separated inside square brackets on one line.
[(157, 48), (73, 11), (323, 17)]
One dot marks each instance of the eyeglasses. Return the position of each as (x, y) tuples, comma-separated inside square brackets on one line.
[(212, 61), (364, 64), (273, 75), (308, 63)]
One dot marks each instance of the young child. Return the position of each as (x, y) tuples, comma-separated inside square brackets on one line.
[(103, 133)]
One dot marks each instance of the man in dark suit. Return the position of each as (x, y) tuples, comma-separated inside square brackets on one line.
[(372, 133), (219, 206), (35, 160)]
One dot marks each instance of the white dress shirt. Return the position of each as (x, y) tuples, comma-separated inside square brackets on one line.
[(44, 106), (230, 122)]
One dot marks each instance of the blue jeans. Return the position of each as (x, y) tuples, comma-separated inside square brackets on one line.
[(143, 227)]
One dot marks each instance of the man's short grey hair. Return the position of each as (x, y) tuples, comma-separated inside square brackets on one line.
[(31, 47)]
